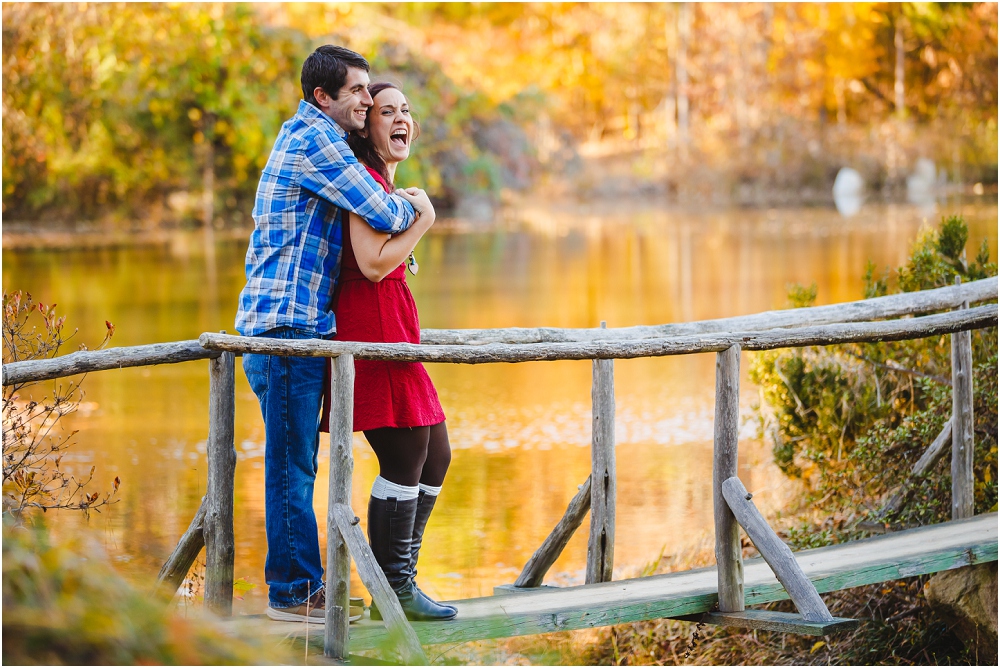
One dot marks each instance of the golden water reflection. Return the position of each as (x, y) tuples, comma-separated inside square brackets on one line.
[(521, 432)]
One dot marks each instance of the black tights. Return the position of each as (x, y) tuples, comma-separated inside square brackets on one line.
[(412, 455)]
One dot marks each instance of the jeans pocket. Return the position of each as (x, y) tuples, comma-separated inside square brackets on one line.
[(256, 368)]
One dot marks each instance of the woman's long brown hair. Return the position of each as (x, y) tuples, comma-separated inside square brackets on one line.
[(364, 149)]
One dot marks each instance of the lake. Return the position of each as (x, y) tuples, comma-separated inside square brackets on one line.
[(521, 432)]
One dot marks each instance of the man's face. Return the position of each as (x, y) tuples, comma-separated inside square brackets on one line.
[(353, 101)]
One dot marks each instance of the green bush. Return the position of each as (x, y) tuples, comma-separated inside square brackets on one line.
[(851, 420)]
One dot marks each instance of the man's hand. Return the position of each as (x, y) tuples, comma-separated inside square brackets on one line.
[(419, 199)]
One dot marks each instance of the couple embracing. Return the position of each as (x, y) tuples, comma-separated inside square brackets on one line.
[(327, 260)]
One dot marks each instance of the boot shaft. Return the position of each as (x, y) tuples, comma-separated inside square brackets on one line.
[(390, 533), (425, 505)]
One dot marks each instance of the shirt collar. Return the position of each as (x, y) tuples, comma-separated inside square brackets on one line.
[(308, 110)]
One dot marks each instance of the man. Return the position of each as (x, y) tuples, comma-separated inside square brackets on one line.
[(311, 179)]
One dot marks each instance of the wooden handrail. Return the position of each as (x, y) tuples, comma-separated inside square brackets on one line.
[(86, 361), (878, 308), (806, 318), (822, 335)]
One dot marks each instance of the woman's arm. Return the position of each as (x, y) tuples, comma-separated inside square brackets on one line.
[(379, 253)]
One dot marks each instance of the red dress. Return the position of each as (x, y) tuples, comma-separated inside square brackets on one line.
[(386, 394)]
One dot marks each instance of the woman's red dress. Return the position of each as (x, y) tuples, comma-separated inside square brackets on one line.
[(386, 394)]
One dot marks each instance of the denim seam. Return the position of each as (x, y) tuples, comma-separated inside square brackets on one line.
[(289, 533)]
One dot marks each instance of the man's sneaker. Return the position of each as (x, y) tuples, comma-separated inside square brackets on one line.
[(314, 610)]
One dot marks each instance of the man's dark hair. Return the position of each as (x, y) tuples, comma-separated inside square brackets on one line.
[(326, 68)]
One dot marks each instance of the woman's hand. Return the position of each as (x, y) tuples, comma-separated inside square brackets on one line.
[(420, 201), (378, 254)]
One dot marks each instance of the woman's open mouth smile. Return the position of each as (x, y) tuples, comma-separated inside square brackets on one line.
[(399, 138)]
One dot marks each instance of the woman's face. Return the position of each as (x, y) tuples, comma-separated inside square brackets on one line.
[(390, 125)]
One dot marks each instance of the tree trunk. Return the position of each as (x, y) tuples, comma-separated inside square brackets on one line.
[(683, 34), (898, 88)]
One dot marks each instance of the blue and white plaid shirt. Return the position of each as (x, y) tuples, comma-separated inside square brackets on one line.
[(293, 261)]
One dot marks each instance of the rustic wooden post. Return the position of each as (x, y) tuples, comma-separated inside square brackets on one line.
[(338, 558), (400, 631), (962, 500), (728, 552), (777, 555), (220, 543), (601, 546)]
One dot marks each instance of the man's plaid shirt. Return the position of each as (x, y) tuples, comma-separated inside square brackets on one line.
[(293, 261)]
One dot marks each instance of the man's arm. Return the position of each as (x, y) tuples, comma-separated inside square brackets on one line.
[(330, 170)]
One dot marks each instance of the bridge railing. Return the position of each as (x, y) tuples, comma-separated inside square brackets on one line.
[(852, 322)]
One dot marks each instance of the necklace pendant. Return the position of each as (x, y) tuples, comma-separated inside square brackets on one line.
[(411, 264)]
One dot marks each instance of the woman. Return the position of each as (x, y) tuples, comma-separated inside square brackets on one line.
[(395, 403)]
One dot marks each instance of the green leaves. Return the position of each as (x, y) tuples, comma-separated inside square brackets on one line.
[(952, 237), (852, 420)]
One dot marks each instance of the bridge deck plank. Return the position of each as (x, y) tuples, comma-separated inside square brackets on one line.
[(898, 555)]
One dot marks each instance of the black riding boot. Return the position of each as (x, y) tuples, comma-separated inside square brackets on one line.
[(390, 531), (425, 504)]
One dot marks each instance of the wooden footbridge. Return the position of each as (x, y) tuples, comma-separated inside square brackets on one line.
[(717, 595)]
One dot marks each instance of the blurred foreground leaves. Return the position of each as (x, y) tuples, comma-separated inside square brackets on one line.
[(65, 605)]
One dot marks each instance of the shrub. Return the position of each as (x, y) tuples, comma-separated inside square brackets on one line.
[(64, 604), (851, 420), (33, 443)]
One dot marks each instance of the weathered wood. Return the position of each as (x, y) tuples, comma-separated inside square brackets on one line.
[(220, 542), (962, 447), (893, 330), (934, 451), (884, 558), (879, 308), (177, 565), (553, 545), (783, 622), (777, 555), (505, 589), (86, 361), (338, 558), (931, 456), (374, 579), (728, 552), (603, 486), (910, 303)]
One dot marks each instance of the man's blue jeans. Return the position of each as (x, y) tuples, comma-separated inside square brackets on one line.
[(290, 391)]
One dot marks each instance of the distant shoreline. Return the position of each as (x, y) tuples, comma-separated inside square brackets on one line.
[(26, 236)]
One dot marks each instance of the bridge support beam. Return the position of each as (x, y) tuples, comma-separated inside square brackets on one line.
[(220, 542), (338, 558), (962, 497), (777, 555), (728, 552), (546, 555), (601, 547)]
